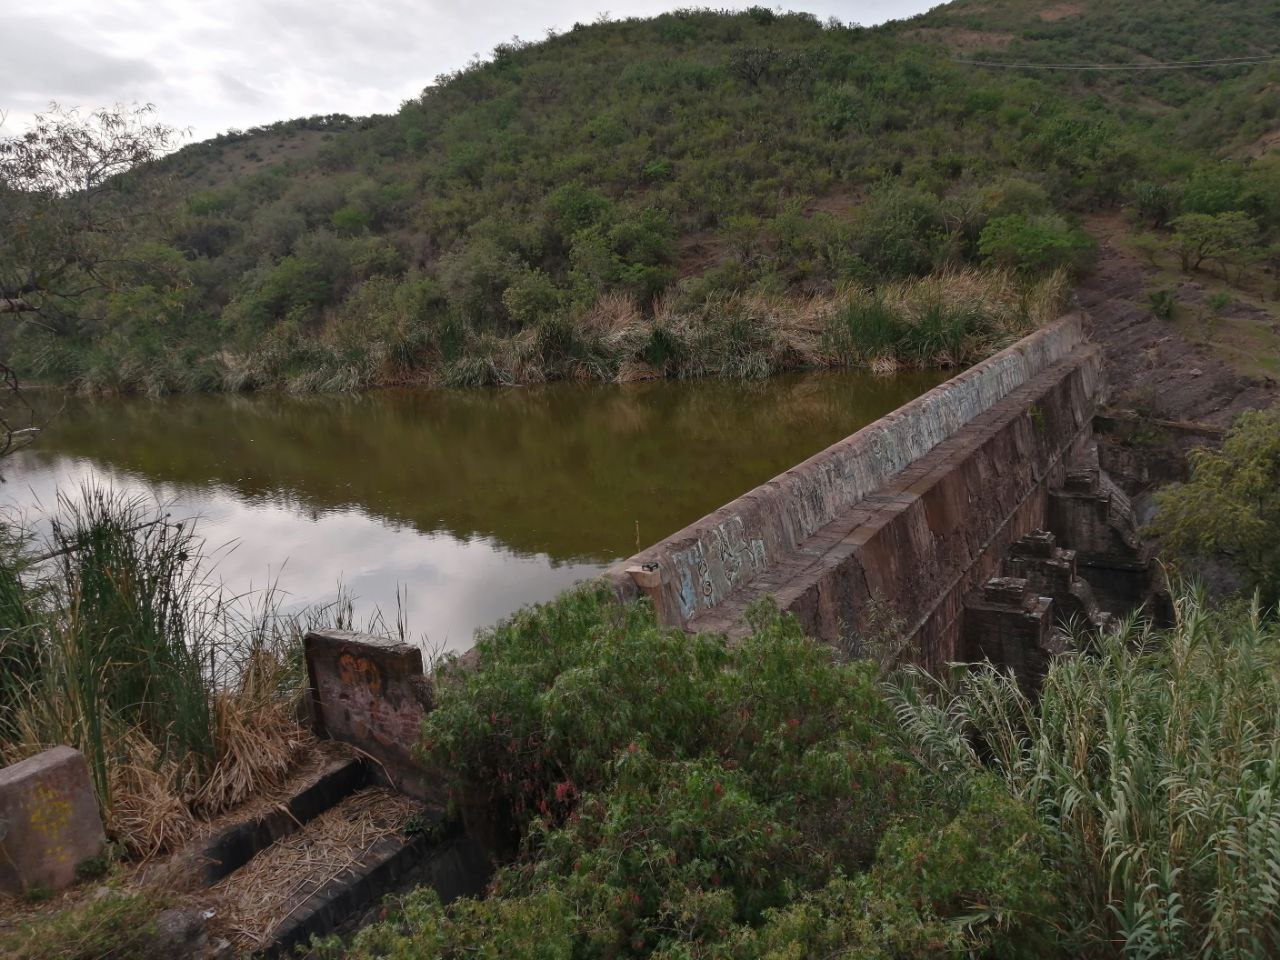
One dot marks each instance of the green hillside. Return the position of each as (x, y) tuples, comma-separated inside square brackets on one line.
[(698, 193), (1226, 110)]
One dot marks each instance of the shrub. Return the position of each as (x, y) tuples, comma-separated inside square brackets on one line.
[(350, 220), (1164, 303), (574, 207), (1230, 508), (476, 276), (530, 297), (899, 231), (684, 797), (1033, 245), (1155, 203)]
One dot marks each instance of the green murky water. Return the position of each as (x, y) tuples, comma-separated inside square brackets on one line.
[(471, 503)]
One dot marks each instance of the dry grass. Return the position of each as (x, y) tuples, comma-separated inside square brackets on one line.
[(148, 812), (157, 803), (1061, 11), (258, 748), (1016, 308), (612, 314), (265, 892)]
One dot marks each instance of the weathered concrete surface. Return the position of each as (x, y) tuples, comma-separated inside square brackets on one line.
[(917, 509), (457, 867), (231, 848), (1009, 624), (372, 693), (49, 821), (1094, 516), (1050, 571)]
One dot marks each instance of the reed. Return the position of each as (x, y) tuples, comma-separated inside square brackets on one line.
[(118, 640), (1154, 759), (949, 318)]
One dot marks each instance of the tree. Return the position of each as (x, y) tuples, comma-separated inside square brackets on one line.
[(1224, 237), (752, 64), (62, 215), (62, 224)]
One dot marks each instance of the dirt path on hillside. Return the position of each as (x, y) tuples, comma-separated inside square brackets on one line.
[(1151, 367)]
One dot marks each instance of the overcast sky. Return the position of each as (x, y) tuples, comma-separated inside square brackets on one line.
[(216, 64)]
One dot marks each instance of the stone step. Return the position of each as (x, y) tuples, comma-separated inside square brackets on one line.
[(326, 873)]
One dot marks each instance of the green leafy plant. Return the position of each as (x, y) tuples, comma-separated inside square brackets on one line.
[(1033, 244), (1151, 762), (1163, 303), (1230, 507), (658, 794)]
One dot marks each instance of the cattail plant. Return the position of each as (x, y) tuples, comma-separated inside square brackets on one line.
[(116, 638)]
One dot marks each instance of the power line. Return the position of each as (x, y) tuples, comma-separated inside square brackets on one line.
[(1172, 65)]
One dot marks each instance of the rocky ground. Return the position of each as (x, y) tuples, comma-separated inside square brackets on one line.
[(1153, 366)]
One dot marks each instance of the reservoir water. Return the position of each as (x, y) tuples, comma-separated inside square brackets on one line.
[(468, 503)]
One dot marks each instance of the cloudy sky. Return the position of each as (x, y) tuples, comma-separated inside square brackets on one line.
[(211, 65)]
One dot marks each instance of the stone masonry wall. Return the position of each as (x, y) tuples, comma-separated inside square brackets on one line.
[(943, 527), (706, 563)]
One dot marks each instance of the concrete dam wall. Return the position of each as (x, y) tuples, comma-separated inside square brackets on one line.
[(914, 510)]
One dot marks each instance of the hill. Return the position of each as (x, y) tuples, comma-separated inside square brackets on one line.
[(691, 194)]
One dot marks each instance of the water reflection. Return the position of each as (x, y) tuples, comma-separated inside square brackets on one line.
[(475, 501)]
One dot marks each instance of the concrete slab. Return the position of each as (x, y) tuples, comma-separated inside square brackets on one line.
[(371, 692)]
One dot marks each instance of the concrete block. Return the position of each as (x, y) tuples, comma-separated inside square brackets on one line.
[(49, 821), (372, 693)]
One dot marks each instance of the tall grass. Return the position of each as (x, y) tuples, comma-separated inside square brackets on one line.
[(953, 317), (1155, 761), (18, 640), (117, 640), (127, 645)]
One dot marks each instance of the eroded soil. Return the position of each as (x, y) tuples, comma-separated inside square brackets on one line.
[(1159, 368)]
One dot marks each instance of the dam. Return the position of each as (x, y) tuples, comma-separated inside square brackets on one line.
[(978, 518), (994, 472)]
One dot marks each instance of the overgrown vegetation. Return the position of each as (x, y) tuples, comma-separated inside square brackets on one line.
[(673, 796), (668, 170), (114, 640), (1152, 763), (1228, 512), (676, 796), (116, 925)]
